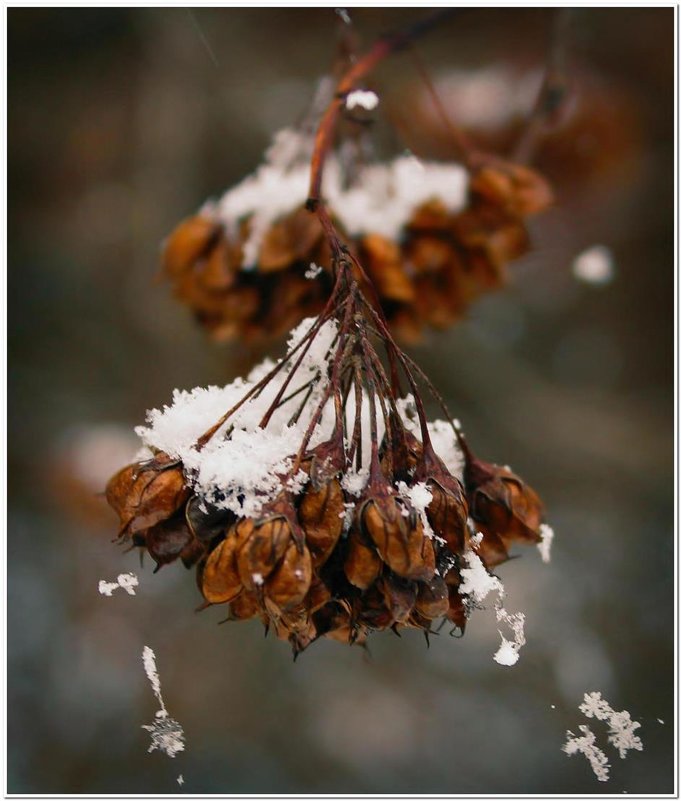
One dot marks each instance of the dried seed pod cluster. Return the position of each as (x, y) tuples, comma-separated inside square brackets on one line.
[(314, 494), (318, 502), (431, 238)]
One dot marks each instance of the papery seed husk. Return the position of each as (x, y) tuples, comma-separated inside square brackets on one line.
[(166, 540), (244, 606), (263, 549), (289, 583), (321, 514), (220, 581), (362, 563), (399, 597), (145, 494), (432, 599), (399, 540)]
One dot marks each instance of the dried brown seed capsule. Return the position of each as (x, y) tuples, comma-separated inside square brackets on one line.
[(167, 540), (432, 599), (456, 613), (262, 550), (289, 240), (244, 606), (399, 539), (192, 239), (362, 563), (399, 597), (518, 190), (321, 514), (206, 522), (501, 503), (146, 493), (220, 579), (289, 583)]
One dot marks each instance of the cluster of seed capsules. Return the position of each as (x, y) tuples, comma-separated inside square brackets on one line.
[(324, 563), (428, 277)]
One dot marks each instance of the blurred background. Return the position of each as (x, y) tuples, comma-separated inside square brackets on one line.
[(121, 122)]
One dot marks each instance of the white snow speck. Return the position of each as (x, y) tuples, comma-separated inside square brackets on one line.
[(258, 580), (544, 547), (659, 720), (312, 271), (509, 650), (180, 780), (363, 98), (594, 266), (125, 581), (476, 582)]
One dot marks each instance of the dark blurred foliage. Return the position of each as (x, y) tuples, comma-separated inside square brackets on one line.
[(123, 121)]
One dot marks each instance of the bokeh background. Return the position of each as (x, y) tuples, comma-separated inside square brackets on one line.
[(121, 122)]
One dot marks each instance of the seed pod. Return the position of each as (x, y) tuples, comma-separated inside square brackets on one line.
[(166, 540), (362, 563), (372, 611), (456, 613), (399, 597), (517, 190), (288, 584), (383, 262), (144, 494), (491, 549), (207, 522), (289, 240), (447, 512), (501, 503), (399, 539), (432, 599), (220, 580), (321, 514), (317, 595), (262, 550), (191, 239), (244, 606)]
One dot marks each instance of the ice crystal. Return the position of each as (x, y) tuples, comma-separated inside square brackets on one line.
[(167, 734), (586, 744), (125, 581)]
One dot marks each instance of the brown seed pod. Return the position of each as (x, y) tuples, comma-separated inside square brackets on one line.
[(244, 606), (287, 586), (432, 599), (448, 511), (191, 240), (262, 550), (321, 514), (399, 596), (146, 493), (399, 539), (220, 580), (362, 564), (167, 540), (517, 190), (501, 503)]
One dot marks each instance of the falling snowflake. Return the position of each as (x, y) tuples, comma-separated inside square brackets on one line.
[(587, 745), (167, 734)]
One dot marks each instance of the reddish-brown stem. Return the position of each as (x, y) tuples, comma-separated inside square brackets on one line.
[(362, 67), (463, 146)]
